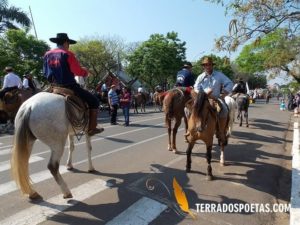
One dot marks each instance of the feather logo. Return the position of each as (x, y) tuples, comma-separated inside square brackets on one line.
[(181, 198)]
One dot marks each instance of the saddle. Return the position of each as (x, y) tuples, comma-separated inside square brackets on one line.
[(76, 109)]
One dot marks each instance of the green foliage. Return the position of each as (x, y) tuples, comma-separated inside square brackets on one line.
[(275, 50), (94, 55), (12, 17), (23, 52), (157, 60)]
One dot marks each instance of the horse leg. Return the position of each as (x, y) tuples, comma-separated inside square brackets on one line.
[(209, 175), (188, 156), (186, 127), (246, 117), (241, 118), (89, 150), (169, 124), (71, 149), (53, 166), (222, 155), (175, 129)]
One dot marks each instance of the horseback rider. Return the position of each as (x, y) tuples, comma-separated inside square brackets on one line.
[(185, 77), (28, 82), (212, 82), (60, 67), (240, 89), (11, 81)]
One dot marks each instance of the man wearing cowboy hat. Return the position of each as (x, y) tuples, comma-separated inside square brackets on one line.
[(212, 82), (11, 81), (28, 82), (60, 67), (185, 77)]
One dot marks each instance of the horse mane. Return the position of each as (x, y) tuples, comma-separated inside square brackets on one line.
[(199, 103)]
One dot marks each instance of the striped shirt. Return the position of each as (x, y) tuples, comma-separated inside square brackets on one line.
[(113, 97)]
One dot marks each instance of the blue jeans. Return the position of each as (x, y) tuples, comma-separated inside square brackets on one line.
[(126, 114)]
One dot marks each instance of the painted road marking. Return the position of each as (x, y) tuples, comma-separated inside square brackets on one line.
[(6, 164), (39, 213)]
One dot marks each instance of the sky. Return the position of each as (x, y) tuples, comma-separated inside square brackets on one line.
[(197, 22)]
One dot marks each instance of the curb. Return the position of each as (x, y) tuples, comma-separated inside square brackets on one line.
[(295, 192)]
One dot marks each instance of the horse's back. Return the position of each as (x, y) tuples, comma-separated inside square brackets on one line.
[(47, 115)]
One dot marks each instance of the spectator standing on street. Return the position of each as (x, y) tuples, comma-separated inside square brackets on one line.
[(113, 101), (125, 104)]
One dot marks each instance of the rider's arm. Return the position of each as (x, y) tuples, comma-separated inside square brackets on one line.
[(75, 66)]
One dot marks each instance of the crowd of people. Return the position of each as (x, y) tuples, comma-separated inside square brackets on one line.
[(61, 67)]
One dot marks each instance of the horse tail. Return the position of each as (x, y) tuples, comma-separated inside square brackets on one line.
[(198, 107), (231, 106), (21, 151)]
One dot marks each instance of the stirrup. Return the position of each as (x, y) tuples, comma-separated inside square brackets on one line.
[(95, 131)]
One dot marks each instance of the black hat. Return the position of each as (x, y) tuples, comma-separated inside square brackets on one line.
[(62, 37), (187, 64)]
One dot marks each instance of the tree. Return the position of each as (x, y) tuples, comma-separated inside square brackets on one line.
[(23, 52), (272, 53), (94, 55), (157, 60), (12, 17), (256, 18)]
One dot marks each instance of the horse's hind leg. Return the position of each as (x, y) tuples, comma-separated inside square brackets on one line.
[(89, 150), (53, 166), (71, 149), (188, 156), (175, 129), (241, 118)]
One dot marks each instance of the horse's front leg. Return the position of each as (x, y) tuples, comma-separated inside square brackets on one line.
[(169, 127), (186, 127), (175, 129), (189, 156), (222, 155), (71, 149), (89, 151), (246, 117), (209, 175), (241, 118)]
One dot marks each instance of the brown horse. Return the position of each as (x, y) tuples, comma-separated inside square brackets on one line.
[(139, 99), (11, 103), (204, 115), (173, 105), (158, 98)]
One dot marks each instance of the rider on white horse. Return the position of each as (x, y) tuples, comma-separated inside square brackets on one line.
[(60, 65)]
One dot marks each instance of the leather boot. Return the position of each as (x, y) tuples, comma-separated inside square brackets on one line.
[(93, 129)]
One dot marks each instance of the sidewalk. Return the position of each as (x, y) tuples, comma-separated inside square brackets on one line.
[(295, 192)]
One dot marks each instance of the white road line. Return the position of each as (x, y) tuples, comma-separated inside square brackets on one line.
[(6, 165), (295, 193), (5, 151), (39, 213), (140, 213), (44, 175)]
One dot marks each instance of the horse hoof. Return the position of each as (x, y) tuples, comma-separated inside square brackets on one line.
[(91, 170), (247, 125), (70, 168), (175, 151), (35, 196), (209, 177), (68, 195)]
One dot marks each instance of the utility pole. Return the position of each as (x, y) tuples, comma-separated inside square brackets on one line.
[(33, 22)]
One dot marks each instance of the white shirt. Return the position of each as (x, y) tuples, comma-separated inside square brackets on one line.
[(25, 83), (12, 80), (140, 90)]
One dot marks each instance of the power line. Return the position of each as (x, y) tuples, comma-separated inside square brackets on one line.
[(33, 22)]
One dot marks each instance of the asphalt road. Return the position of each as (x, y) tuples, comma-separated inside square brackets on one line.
[(135, 172)]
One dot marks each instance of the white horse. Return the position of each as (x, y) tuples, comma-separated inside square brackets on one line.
[(43, 117), (232, 107)]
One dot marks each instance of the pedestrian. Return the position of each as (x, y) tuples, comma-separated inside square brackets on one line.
[(60, 67), (113, 101), (125, 102)]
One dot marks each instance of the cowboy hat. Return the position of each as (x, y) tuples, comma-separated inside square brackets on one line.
[(187, 64), (8, 68), (207, 60), (62, 37)]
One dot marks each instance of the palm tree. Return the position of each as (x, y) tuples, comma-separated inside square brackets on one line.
[(12, 17)]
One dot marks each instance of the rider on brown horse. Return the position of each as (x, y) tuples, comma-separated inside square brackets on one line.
[(211, 82), (11, 81)]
